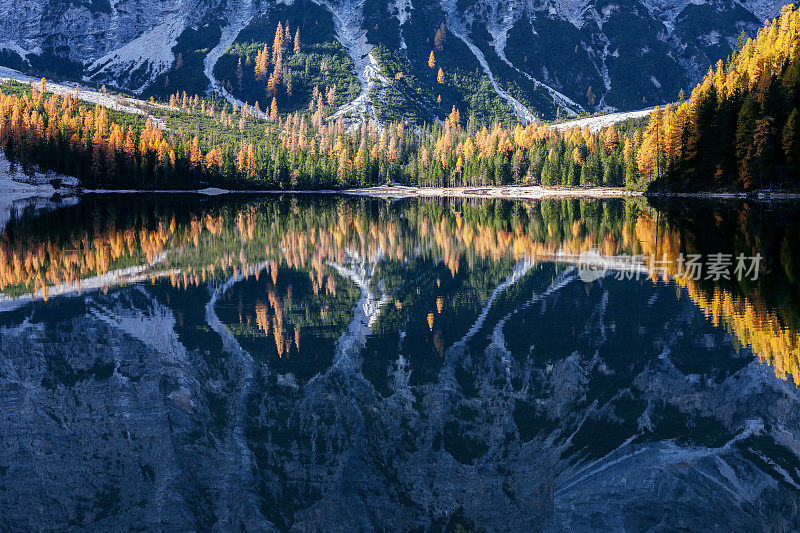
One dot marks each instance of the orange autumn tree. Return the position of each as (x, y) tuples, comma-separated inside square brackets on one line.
[(735, 128)]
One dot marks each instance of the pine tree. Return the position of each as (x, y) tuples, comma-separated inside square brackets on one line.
[(277, 44), (648, 158), (438, 39), (745, 132), (273, 110), (262, 59), (791, 143), (611, 139)]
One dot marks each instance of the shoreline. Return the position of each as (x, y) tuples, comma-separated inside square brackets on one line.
[(525, 192)]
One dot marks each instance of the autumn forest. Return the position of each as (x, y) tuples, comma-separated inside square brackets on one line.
[(738, 130)]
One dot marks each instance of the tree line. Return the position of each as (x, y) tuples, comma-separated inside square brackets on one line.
[(199, 143), (740, 128)]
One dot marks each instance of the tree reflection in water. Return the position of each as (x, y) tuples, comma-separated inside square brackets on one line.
[(360, 363)]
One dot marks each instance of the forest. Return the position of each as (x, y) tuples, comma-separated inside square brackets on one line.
[(203, 241), (201, 143), (738, 130)]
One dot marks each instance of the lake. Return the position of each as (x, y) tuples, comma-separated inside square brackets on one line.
[(180, 362)]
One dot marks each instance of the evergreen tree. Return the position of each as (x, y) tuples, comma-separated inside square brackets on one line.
[(791, 142)]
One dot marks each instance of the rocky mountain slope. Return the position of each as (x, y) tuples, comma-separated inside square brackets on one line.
[(173, 419), (392, 379), (528, 59)]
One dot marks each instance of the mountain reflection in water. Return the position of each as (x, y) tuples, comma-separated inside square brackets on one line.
[(304, 362)]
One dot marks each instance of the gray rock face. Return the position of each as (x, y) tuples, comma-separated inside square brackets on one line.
[(106, 423), (631, 54), (86, 31), (582, 407)]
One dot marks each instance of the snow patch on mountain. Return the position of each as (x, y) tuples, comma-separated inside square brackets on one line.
[(710, 38), (572, 10), (11, 46), (151, 52), (457, 27), (604, 66), (403, 11), (369, 75), (403, 8), (237, 19), (595, 124), (667, 11), (499, 32), (348, 22)]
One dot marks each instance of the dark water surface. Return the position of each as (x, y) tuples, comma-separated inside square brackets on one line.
[(320, 363)]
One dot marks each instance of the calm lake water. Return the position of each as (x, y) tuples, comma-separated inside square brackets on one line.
[(323, 363)]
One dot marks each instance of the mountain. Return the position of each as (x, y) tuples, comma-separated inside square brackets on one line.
[(498, 59), (740, 128), (407, 373)]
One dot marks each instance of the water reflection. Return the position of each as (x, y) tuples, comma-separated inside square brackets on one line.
[(104, 242), (317, 362)]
